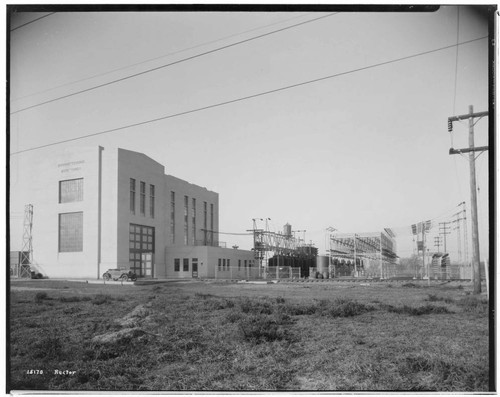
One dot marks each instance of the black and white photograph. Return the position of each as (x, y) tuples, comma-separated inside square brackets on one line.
[(250, 198)]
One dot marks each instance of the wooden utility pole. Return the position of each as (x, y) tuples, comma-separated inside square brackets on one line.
[(473, 192)]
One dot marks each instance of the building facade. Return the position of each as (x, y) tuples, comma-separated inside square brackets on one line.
[(101, 208)]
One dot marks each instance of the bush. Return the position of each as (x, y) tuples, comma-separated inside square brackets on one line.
[(411, 285), (100, 299), (435, 298), (347, 308), (417, 311), (74, 298), (255, 306), (300, 309), (203, 296), (263, 328), (234, 316), (218, 304), (41, 296), (473, 304)]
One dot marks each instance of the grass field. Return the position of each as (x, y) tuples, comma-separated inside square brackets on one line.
[(206, 335)]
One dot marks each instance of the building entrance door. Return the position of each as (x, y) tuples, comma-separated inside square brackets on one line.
[(141, 250), (194, 268), (147, 264)]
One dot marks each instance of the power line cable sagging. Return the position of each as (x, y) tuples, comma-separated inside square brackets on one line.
[(272, 91), (30, 22), (170, 64), (156, 58)]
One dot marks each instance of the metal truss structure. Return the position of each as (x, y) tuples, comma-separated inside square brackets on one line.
[(364, 253), (27, 250), (266, 242)]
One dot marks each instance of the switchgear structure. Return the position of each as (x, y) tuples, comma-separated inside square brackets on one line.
[(363, 254)]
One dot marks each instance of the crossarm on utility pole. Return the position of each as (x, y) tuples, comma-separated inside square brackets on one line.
[(467, 150), (467, 116)]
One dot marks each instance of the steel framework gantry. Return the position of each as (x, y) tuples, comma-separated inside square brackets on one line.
[(379, 246), (265, 241), (27, 248)]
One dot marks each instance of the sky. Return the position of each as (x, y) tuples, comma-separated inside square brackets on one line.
[(362, 150)]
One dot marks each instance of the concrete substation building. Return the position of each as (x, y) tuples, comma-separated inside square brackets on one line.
[(99, 208)]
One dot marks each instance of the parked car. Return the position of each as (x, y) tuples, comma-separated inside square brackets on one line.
[(119, 274)]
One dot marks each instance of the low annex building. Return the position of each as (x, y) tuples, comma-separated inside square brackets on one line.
[(99, 208)]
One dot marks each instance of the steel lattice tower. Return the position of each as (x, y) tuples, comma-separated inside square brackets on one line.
[(27, 247)]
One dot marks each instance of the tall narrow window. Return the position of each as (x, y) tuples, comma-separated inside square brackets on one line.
[(152, 201), (71, 190), (177, 264), (205, 217), (211, 223), (186, 203), (132, 195), (185, 264), (172, 217), (193, 221), (143, 198), (71, 232)]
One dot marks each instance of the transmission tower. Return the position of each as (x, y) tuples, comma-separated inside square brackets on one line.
[(27, 247)]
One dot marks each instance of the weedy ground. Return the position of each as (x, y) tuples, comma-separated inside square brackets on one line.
[(202, 336)]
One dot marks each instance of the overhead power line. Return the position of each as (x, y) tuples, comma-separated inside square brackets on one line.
[(172, 63), (34, 20), (156, 58), (248, 97)]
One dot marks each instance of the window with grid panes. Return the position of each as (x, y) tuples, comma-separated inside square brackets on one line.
[(71, 232), (71, 190), (141, 241), (185, 264)]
